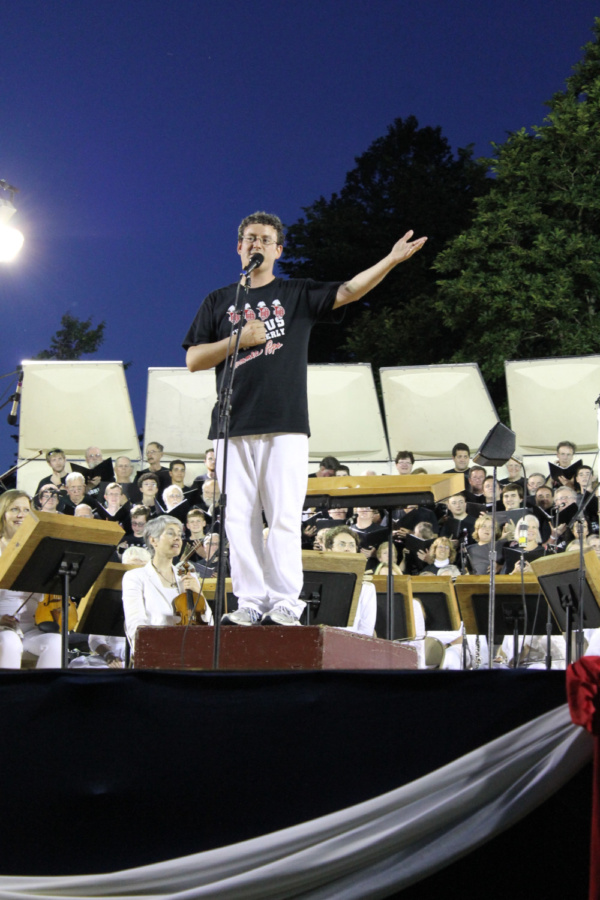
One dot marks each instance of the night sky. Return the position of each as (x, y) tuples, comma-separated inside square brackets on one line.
[(141, 132)]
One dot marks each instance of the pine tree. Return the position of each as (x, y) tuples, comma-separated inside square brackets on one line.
[(75, 338)]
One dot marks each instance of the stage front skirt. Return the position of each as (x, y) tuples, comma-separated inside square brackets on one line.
[(370, 849)]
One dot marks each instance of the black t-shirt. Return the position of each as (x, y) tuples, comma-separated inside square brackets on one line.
[(269, 388)]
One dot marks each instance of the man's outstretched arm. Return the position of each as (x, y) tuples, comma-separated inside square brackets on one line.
[(365, 281)]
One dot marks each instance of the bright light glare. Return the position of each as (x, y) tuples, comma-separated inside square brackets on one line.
[(11, 241)]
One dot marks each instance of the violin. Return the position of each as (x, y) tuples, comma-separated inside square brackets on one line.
[(190, 604), (50, 610)]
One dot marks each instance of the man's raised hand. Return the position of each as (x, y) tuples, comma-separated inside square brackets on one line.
[(405, 248)]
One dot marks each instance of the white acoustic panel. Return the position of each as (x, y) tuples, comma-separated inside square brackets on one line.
[(178, 409), (345, 419), (552, 400), (428, 409), (73, 405)]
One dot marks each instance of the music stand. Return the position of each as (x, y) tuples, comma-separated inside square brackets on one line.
[(497, 448), (558, 576), (404, 616), (332, 585), (438, 599), (440, 608), (101, 610), (56, 554), (472, 593), (382, 492)]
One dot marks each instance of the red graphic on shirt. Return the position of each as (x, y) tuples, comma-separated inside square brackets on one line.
[(250, 356), (271, 347), (232, 315), (278, 309), (263, 311), (249, 314)]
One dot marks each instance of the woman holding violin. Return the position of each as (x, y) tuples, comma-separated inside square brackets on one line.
[(160, 593), (18, 631)]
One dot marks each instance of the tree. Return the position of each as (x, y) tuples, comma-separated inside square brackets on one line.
[(75, 338), (524, 280), (406, 179)]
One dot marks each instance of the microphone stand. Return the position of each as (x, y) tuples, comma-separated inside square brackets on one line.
[(464, 540), (492, 557), (578, 517), (522, 548), (224, 419), (14, 469)]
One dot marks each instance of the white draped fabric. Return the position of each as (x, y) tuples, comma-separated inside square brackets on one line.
[(369, 850)]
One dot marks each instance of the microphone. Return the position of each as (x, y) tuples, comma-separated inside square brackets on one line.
[(256, 260), (12, 416)]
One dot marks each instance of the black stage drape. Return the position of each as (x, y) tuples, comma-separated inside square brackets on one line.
[(101, 771)]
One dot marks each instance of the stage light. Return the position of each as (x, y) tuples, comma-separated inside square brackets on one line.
[(11, 239)]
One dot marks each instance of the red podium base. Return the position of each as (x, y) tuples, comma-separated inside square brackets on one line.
[(260, 648)]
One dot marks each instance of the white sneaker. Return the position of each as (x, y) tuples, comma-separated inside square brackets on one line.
[(247, 615), (279, 617)]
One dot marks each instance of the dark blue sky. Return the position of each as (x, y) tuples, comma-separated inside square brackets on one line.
[(140, 132)]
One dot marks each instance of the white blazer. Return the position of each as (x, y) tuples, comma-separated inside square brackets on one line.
[(147, 602)]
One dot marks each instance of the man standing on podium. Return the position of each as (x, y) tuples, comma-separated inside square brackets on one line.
[(267, 466)]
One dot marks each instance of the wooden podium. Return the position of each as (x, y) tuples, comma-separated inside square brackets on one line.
[(267, 648)]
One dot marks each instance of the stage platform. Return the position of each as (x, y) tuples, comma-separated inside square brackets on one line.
[(268, 649), (105, 770)]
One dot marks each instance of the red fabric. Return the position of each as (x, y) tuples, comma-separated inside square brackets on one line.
[(583, 681)]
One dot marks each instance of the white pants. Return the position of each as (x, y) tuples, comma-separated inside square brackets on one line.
[(47, 647), (270, 472)]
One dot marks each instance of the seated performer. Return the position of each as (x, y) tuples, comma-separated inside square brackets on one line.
[(47, 499), (474, 492), (532, 548), (148, 485), (479, 553), (75, 487), (461, 457), (404, 461), (123, 475), (18, 631), (383, 560), (196, 526), (343, 539), (94, 485), (514, 467), (154, 454), (442, 555), (149, 592), (57, 461)]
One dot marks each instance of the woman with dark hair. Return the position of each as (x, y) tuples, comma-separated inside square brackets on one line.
[(47, 499), (18, 631)]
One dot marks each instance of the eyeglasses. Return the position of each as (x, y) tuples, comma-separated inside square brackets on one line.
[(343, 544), (264, 241)]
